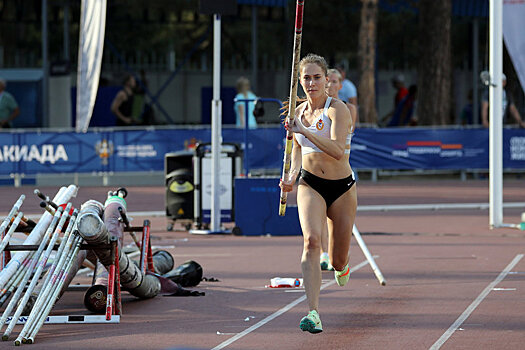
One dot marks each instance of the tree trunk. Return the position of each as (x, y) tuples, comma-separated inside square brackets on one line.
[(434, 69), (367, 58)]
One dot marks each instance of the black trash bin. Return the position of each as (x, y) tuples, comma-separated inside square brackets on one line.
[(179, 176)]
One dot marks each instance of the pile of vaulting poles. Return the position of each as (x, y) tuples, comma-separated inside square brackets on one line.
[(25, 268)]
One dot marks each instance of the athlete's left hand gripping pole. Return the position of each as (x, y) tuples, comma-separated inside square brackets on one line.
[(293, 98)]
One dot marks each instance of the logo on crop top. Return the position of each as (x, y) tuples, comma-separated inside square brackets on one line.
[(319, 125)]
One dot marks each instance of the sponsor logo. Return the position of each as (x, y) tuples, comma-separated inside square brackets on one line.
[(104, 149), (517, 148), (136, 151), (444, 150)]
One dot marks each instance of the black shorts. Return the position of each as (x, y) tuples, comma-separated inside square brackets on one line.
[(330, 190)]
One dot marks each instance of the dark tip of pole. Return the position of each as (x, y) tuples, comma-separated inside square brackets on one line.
[(123, 191), (52, 204), (40, 194)]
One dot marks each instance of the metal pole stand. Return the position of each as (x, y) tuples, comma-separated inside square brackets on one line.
[(146, 256)]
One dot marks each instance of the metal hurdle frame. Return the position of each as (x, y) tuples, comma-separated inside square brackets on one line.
[(146, 256), (113, 304)]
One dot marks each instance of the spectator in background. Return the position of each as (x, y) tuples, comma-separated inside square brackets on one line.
[(122, 105), (348, 92), (334, 86), (8, 107), (141, 108), (244, 93), (404, 112), (466, 117), (509, 108), (398, 82)]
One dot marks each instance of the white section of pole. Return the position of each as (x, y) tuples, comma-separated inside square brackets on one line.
[(38, 272), (496, 114), (52, 276), (368, 256), (216, 130), (51, 301), (63, 195)]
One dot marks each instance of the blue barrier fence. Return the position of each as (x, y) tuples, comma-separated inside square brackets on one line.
[(43, 152)]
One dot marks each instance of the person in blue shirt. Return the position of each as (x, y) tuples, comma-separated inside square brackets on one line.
[(348, 93), (9, 109), (244, 93)]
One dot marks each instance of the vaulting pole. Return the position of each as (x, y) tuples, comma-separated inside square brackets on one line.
[(293, 98)]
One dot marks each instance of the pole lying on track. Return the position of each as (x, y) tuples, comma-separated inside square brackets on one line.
[(368, 256), (293, 99), (15, 209), (51, 281), (36, 276), (39, 268), (29, 272), (15, 280), (62, 277), (63, 196), (9, 218), (9, 233)]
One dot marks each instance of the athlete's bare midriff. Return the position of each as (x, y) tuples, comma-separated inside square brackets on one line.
[(327, 167)]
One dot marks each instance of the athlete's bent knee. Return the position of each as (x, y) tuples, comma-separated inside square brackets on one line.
[(312, 243)]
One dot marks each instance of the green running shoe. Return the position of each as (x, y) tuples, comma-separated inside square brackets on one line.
[(341, 277), (325, 263), (311, 323)]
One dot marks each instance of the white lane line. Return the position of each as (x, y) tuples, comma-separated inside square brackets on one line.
[(280, 312), (475, 304), (422, 206)]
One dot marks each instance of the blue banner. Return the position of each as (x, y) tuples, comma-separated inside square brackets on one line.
[(406, 148), (143, 150)]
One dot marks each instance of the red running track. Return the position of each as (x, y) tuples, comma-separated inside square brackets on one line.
[(441, 268)]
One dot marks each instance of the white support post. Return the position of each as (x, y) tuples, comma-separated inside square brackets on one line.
[(495, 114), (216, 124)]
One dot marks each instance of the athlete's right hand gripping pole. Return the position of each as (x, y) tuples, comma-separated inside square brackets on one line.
[(293, 98)]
